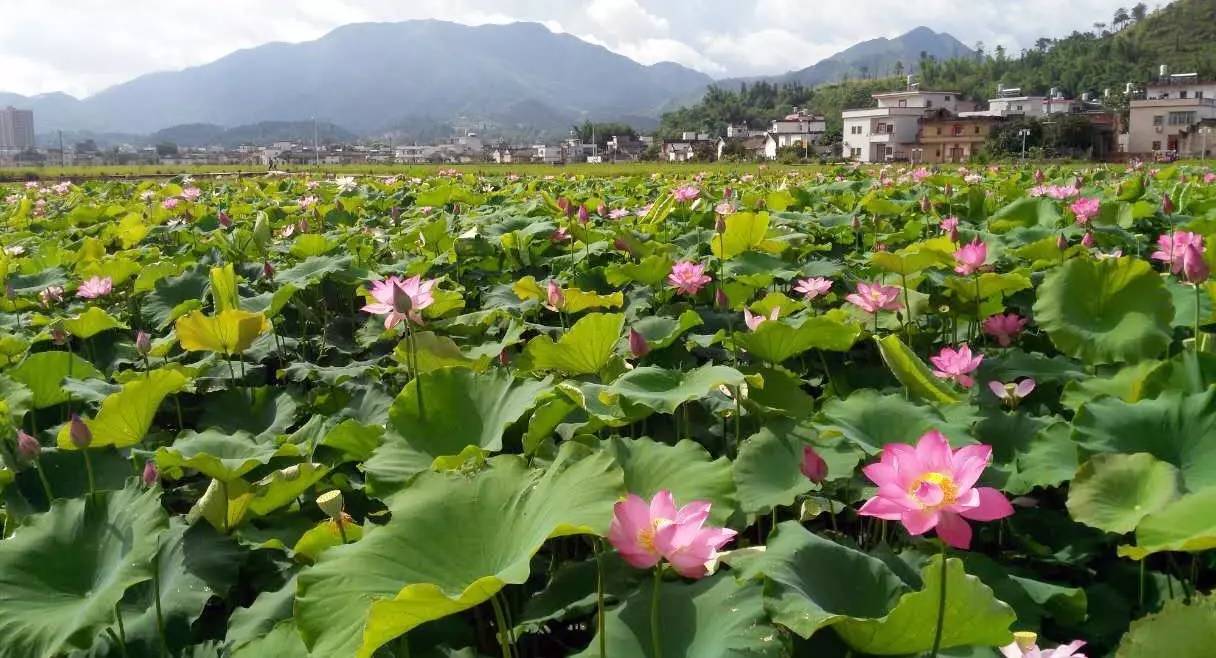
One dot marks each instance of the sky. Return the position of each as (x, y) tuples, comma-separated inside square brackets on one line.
[(83, 46)]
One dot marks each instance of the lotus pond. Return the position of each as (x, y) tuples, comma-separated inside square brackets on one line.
[(812, 413)]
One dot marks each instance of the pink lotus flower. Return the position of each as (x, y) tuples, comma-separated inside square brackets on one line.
[(688, 277), (956, 364), (583, 215), (170, 203), (813, 466), (98, 286), (753, 320), (930, 486), (970, 257), (618, 213), (813, 287), (1011, 393), (307, 202), (638, 346), (1062, 192), (560, 235), (1004, 328), (724, 208), (646, 534), (1172, 247), (150, 475), (1087, 240), (875, 297), (50, 295), (399, 299), (554, 296), (1025, 647), (920, 173), (191, 193), (1085, 208), (1194, 267), (1209, 178), (28, 447), (950, 227), (686, 193)]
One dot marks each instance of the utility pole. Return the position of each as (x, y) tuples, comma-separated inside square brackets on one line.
[(61, 160), (1024, 132), (316, 150)]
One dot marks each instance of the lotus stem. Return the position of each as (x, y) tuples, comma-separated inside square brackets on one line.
[(122, 631), (599, 597), (975, 330), (160, 617), (656, 647), (88, 470), (1197, 305), (500, 618), (224, 493), (122, 646), (941, 608), (341, 529), (46, 485)]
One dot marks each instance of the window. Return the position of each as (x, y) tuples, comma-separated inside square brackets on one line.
[(1158, 119), (1199, 94), (1019, 108), (1182, 94), (1156, 146), (855, 152), (903, 102), (928, 103), (939, 130), (947, 99), (939, 153), (956, 130), (1182, 118)]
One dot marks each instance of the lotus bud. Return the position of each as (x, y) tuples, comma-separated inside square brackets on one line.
[(720, 300), (554, 295), (602, 209), (59, 336), (28, 447), (880, 246), (813, 466), (455, 208), (1061, 242), (719, 224), (1167, 204), (1038, 176), (80, 433), (583, 215), (330, 502), (925, 204), (856, 223), (395, 214), (1079, 182), (1194, 267), (150, 475), (225, 220), (402, 302), (637, 344), (302, 226), (1088, 240), (564, 204), (504, 359), (728, 193), (143, 343), (267, 270)]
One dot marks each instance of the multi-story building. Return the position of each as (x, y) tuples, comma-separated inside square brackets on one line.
[(946, 137), (799, 128), (16, 129), (889, 131), (1170, 106)]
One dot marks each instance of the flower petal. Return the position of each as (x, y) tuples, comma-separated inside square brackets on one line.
[(993, 505), (954, 530)]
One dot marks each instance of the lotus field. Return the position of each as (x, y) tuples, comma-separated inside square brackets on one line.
[(818, 413)]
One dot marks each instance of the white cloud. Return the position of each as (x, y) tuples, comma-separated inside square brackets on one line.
[(625, 19), (651, 51)]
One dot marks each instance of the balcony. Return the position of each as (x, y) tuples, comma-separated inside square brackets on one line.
[(881, 137)]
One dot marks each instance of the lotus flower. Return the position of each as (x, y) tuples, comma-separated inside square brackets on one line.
[(399, 299), (686, 193), (79, 433), (1172, 247), (688, 277), (1194, 267), (555, 298), (150, 475), (724, 208), (583, 215), (560, 235), (1087, 240), (813, 287), (929, 486), (51, 295), (1023, 646), (875, 297), (307, 202), (191, 193), (950, 227), (638, 346), (1004, 328), (1167, 204), (754, 320), (970, 257), (618, 213), (170, 203), (97, 286), (28, 447), (1011, 393), (645, 534), (1085, 209), (1209, 178), (143, 343), (956, 364), (813, 466)]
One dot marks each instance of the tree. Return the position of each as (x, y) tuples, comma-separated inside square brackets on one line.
[(1139, 11), (166, 148), (899, 68), (1121, 18)]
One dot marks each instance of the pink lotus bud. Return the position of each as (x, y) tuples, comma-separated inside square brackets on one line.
[(1167, 204), (720, 300), (1038, 176), (225, 220), (302, 226), (80, 433), (1079, 182), (583, 215), (1088, 240), (1061, 242), (150, 476), (637, 344), (555, 296), (504, 358), (719, 224), (28, 447), (856, 223), (813, 466), (143, 343), (564, 204), (728, 193), (1194, 267), (267, 270), (602, 209), (455, 208)]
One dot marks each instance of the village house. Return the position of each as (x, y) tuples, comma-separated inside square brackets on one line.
[(889, 132), (688, 146), (1171, 107), (946, 137), (799, 128)]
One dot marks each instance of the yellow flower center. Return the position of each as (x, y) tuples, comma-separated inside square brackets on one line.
[(646, 536), (942, 481)]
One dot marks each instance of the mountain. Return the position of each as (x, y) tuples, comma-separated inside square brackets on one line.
[(264, 132), (873, 59), (368, 76)]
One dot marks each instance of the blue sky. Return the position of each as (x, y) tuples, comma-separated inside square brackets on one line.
[(83, 46)]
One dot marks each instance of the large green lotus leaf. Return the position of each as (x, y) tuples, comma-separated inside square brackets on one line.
[(934, 253), (1187, 372), (1178, 631), (63, 573), (1187, 524), (1024, 213), (1105, 311), (661, 331), (272, 606), (1031, 599), (312, 270), (781, 394), (90, 323), (459, 407), (65, 472), (43, 373), (218, 454), (435, 352), (913, 373), (392, 465), (663, 390), (650, 271), (194, 564), (1174, 428), (453, 541), (871, 420), (1182, 295), (571, 591), (1127, 383), (814, 582), (714, 617), (259, 498), (686, 469), (126, 416), (776, 341), (1112, 492), (768, 471), (972, 616), (744, 230), (174, 296), (583, 350), (1048, 458), (264, 412)]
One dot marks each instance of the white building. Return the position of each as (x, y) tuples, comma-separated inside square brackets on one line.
[(1171, 105), (889, 131), (16, 129), (799, 128)]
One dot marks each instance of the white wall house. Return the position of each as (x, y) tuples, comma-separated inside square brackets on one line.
[(1172, 104), (799, 128), (889, 131)]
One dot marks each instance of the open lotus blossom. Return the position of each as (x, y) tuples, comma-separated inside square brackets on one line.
[(399, 299), (1010, 394), (647, 533), (875, 297), (813, 466), (560, 235), (957, 364), (1085, 209), (950, 227), (307, 202), (1004, 327), (754, 320), (51, 295), (724, 208), (618, 213), (970, 257), (1209, 178), (191, 193), (686, 193), (929, 486), (97, 286), (688, 277), (813, 287), (170, 203), (1172, 247), (1024, 646)]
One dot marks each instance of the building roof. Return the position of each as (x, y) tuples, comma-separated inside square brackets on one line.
[(910, 93)]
